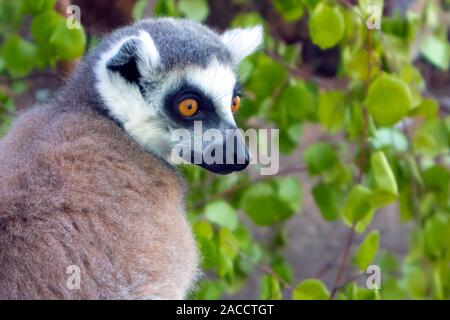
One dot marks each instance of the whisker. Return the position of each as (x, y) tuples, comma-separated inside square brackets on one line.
[(217, 99)]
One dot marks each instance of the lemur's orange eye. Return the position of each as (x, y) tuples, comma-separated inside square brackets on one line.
[(188, 107), (236, 104)]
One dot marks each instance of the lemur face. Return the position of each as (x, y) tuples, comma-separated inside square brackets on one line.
[(165, 75)]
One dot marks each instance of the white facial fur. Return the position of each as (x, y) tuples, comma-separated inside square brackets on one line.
[(216, 81), (125, 101), (139, 117)]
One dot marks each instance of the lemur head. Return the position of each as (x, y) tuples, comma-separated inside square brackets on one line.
[(160, 75)]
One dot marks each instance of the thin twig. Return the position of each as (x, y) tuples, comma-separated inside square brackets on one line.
[(268, 270), (343, 263), (350, 279), (262, 267)]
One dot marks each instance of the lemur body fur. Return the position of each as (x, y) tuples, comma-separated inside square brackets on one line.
[(86, 180)]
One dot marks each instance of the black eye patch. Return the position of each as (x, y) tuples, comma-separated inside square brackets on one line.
[(237, 91), (206, 110)]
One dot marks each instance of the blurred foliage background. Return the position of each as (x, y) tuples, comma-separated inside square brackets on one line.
[(360, 91)]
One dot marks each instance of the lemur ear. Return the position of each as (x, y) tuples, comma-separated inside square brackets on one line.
[(243, 42), (136, 57)]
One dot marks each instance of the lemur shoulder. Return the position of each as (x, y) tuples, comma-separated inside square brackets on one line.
[(87, 180)]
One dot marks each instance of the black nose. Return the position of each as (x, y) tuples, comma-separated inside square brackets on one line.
[(236, 157), (235, 162), (240, 162)]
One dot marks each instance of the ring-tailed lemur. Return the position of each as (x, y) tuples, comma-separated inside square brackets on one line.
[(90, 206)]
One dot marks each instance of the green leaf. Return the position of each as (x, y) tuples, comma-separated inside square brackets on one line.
[(339, 175), (290, 137), (270, 288), (36, 7), (209, 252), (412, 76), (437, 179), (283, 269), (326, 26), (267, 77), (428, 109), (196, 10), (386, 189), (42, 28), (320, 157), (222, 214), (389, 100), (362, 224), (202, 229), (228, 243), (357, 205), (243, 236), (406, 204), (388, 262), (437, 236), (297, 100), (165, 8), (291, 10), (326, 199), (355, 124), (367, 250), (225, 265), (432, 137), (11, 16), (356, 62), (265, 204), (290, 192), (209, 290), (68, 43), (19, 55), (436, 51), (331, 110), (311, 289), (393, 290), (417, 283)]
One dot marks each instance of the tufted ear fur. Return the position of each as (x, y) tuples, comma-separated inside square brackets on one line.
[(243, 42), (136, 57)]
